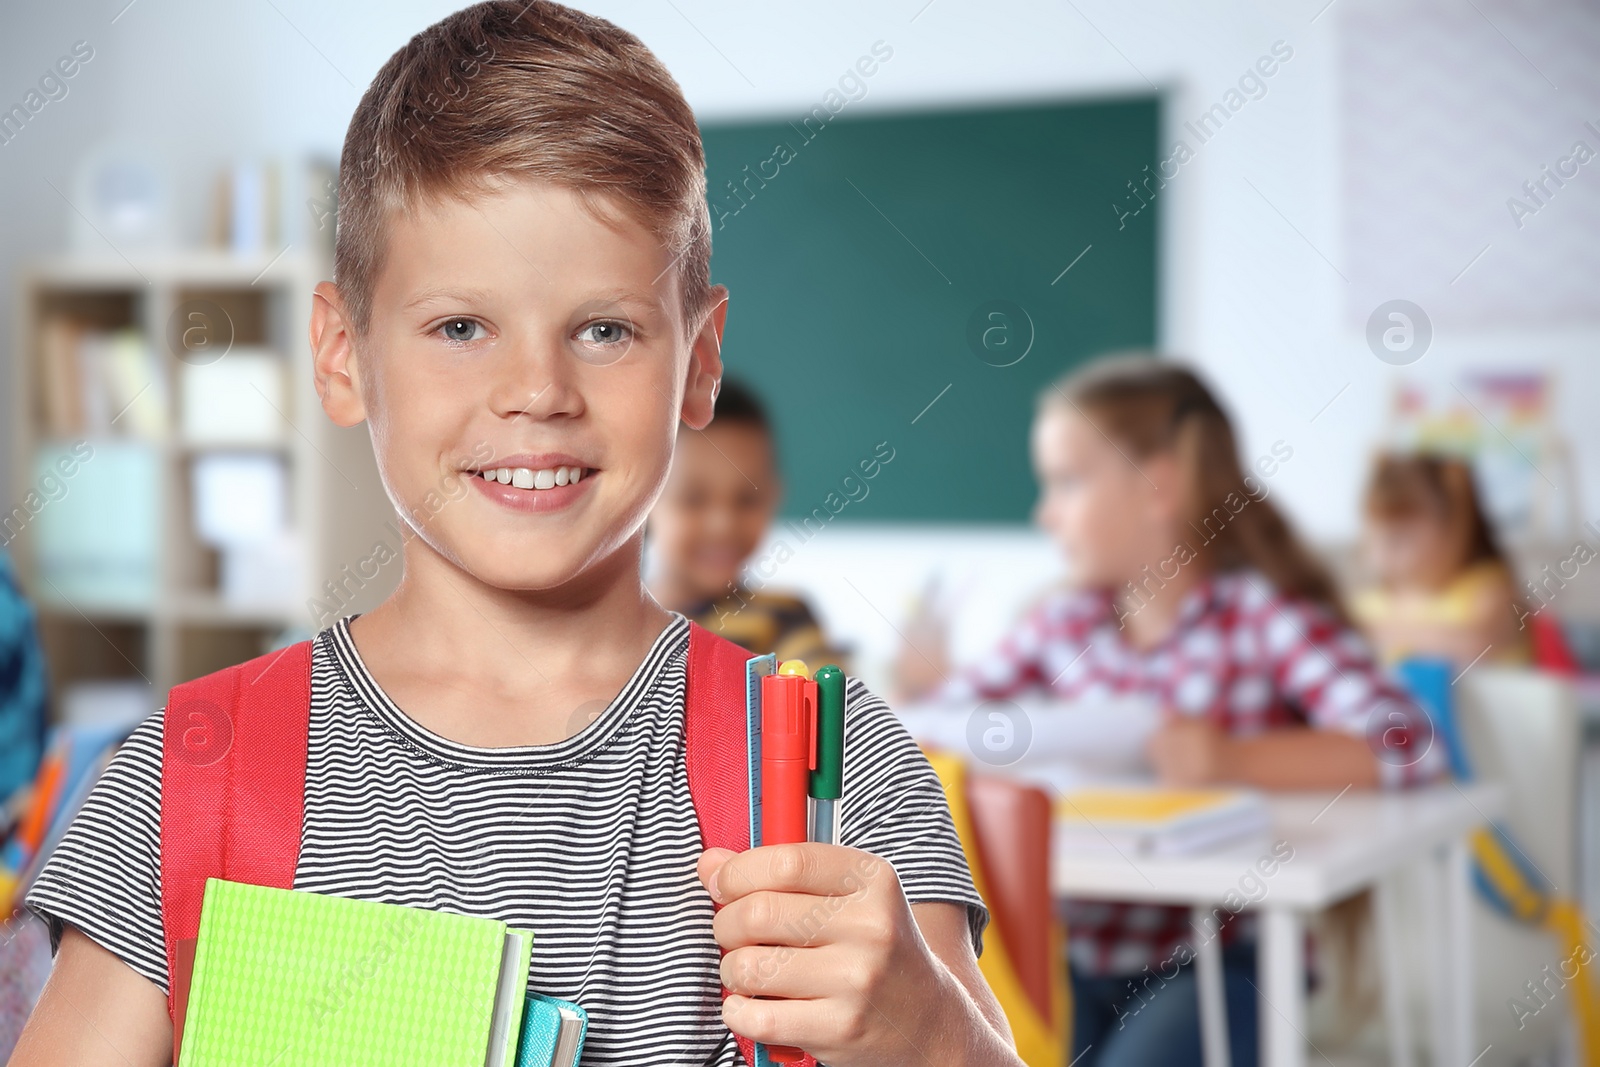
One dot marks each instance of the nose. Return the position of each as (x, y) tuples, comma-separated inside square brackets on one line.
[(536, 380)]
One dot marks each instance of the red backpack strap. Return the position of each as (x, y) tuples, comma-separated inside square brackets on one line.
[(716, 740), (233, 771), (717, 752)]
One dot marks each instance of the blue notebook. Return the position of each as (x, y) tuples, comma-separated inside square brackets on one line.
[(552, 1032)]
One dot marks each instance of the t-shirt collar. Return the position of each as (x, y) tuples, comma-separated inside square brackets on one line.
[(669, 647)]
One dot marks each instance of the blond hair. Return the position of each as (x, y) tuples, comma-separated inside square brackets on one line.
[(511, 89)]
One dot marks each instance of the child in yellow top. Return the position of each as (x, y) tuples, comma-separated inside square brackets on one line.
[(1442, 586), (719, 502)]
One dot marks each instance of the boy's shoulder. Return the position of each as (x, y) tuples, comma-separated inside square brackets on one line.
[(778, 601), (103, 874)]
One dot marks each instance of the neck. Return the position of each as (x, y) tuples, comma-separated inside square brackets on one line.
[(677, 593), (443, 622), (1149, 609), (1436, 581)]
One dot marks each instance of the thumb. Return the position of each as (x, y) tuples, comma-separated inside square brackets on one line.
[(711, 861)]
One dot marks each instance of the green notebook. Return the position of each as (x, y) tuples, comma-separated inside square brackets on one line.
[(294, 979)]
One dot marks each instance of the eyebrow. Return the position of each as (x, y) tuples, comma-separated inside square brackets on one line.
[(481, 296), (429, 296), (628, 296)]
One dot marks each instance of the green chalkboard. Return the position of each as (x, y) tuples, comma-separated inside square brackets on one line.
[(873, 261)]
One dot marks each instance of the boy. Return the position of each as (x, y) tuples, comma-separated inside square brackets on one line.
[(719, 500), (523, 300)]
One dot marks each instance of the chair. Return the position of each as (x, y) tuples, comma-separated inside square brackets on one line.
[(1520, 727), (1005, 829)]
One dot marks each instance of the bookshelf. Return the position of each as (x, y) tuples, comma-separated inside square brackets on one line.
[(165, 418)]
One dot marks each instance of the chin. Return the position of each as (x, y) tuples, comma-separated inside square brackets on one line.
[(532, 574), (1084, 574), (516, 561), (716, 584)]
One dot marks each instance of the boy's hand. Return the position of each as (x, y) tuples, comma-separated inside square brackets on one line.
[(1190, 752), (829, 931)]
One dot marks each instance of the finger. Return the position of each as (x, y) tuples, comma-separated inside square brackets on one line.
[(772, 1022), (823, 870), (791, 973), (711, 861), (797, 919), (826, 1028)]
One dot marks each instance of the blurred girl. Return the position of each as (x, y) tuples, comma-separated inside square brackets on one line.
[(1185, 584), (1442, 586)]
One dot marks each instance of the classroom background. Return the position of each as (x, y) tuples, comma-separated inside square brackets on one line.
[(1369, 225)]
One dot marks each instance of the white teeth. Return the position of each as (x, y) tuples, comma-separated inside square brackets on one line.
[(526, 478)]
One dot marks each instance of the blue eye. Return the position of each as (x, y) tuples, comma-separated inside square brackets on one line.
[(459, 331), (605, 332)]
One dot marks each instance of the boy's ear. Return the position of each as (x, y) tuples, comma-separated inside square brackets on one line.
[(705, 363), (336, 368)]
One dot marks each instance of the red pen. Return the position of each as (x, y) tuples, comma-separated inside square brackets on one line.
[(788, 756)]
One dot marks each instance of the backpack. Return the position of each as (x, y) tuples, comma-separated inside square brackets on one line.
[(24, 685), (233, 769)]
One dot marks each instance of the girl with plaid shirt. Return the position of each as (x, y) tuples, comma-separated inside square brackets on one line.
[(1186, 584)]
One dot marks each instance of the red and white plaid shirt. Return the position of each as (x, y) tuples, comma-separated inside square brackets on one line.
[(1243, 656)]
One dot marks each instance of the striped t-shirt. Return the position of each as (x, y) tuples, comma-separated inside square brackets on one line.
[(590, 842)]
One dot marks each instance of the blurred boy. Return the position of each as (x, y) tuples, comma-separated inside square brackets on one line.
[(523, 306), (719, 501)]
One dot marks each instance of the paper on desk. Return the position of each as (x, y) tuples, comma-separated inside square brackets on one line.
[(1069, 743)]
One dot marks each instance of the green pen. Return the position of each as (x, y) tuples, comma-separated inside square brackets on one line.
[(827, 781)]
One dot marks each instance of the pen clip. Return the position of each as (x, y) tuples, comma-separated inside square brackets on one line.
[(811, 722)]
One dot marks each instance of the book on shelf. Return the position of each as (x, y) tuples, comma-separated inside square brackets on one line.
[(237, 399), (100, 383)]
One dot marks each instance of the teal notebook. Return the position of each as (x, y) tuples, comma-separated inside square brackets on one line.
[(298, 979), (552, 1032)]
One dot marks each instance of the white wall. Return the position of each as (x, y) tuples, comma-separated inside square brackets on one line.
[(1253, 221)]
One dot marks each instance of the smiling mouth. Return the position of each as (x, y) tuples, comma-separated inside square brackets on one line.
[(529, 478)]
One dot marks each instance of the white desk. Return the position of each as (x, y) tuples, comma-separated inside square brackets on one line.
[(1361, 839)]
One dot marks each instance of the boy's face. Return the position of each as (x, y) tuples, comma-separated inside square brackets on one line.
[(520, 332), (718, 503)]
